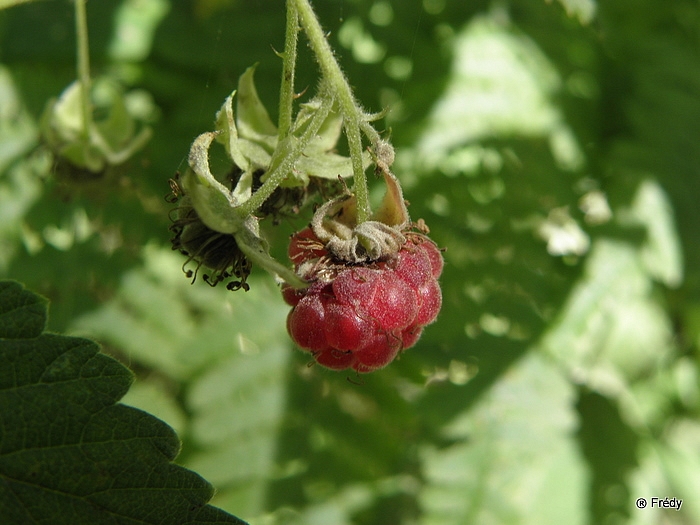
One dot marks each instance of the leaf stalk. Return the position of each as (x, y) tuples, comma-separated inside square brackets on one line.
[(83, 59), (352, 114), (289, 58)]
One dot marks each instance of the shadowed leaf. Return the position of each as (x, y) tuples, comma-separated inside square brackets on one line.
[(69, 453)]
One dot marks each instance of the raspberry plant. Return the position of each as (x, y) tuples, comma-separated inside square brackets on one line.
[(216, 224), (86, 148)]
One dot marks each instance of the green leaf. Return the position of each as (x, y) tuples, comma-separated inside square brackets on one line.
[(670, 468), (515, 460), (138, 20), (661, 253), (22, 313), (69, 453), (610, 447), (253, 120), (611, 331), (213, 201), (17, 128), (501, 85)]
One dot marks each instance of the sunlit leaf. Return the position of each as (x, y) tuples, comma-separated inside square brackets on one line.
[(501, 84), (668, 470), (17, 128), (661, 253), (135, 25), (514, 460), (584, 10), (611, 330)]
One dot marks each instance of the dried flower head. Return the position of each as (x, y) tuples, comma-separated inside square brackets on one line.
[(204, 246)]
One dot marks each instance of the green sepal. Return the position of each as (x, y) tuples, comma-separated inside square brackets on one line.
[(254, 122), (328, 166), (213, 202), (118, 128), (83, 154), (228, 133), (329, 132), (392, 211), (258, 156)]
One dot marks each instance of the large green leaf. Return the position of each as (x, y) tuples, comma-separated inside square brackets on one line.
[(69, 453), (614, 337)]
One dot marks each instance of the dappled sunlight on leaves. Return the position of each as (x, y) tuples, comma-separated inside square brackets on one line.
[(584, 10), (550, 147), (527, 418), (671, 467), (501, 84), (611, 331)]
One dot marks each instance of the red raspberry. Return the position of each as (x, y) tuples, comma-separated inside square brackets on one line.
[(362, 316)]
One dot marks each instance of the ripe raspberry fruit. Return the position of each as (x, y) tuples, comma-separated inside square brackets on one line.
[(361, 316)]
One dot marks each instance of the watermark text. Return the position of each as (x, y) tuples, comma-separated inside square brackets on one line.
[(659, 503)]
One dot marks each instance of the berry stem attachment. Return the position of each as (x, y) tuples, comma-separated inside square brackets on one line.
[(256, 251), (289, 58), (352, 114), (83, 58)]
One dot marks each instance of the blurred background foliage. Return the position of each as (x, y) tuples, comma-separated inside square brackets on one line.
[(549, 145)]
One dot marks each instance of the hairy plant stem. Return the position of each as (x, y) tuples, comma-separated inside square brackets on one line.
[(352, 114), (286, 154), (289, 58), (83, 58)]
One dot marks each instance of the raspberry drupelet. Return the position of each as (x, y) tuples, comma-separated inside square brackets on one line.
[(361, 316)]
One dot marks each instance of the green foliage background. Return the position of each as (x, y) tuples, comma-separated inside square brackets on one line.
[(550, 146)]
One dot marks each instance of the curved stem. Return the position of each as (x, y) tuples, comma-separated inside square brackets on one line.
[(371, 133), (288, 66), (256, 252), (352, 114), (286, 154), (83, 64)]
